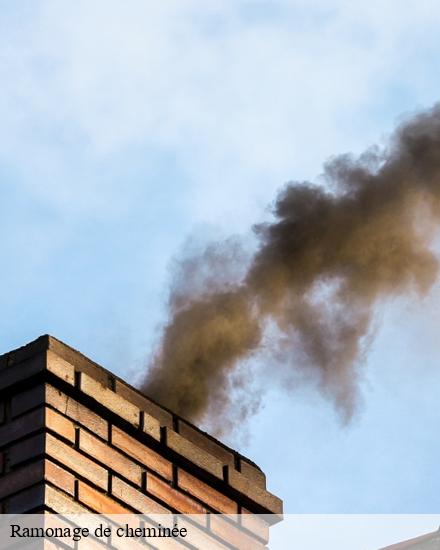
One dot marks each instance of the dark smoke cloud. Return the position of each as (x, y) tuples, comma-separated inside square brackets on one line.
[(331, 254)]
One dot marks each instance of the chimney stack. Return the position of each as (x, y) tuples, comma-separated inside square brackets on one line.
[(74, 438)]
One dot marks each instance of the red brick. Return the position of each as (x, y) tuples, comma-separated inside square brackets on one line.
[(175, 499), (142, 453), (267, 500), (98, 502), (206, 494), (107, 455), (59, 477), (205, 442), (76, 411), (134, 498), (194, 454), (60, 424), (20, 479), (232, 534), (76, 462), (110, 399)]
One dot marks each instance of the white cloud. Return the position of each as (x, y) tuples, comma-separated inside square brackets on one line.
[(245, 95)]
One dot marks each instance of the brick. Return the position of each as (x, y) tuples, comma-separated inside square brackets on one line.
[(175, 499), (63, 504), (76, 411), (232, 534), (110, 399), (26, 500), (142, 453), (2, 412), (200, 538), (59, 477), (193, 453), (205, 442), (60, 424), (107, 455), (76, 462), (53, 521), (26, 449), (255, 524), (267, 500), (205, 493), (22, 426), (21, 479), (80, 362), (61, 368), (37, 347), (134, 498), (155, 415), (24, 370), (27, 400), (98, 502), (253, 473)]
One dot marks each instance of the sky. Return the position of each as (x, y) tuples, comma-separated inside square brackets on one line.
[(129, 130)]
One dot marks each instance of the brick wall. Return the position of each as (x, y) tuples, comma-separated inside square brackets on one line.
[(75, 438)]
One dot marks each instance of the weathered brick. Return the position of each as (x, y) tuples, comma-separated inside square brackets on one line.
[(64, 504), (27, 400), (205, 442), (142, 453), (134, 498), (76, 462), (26, 449), (255, 524), (232, 534), (60, 424), (154, 415), (107, 455), (205, 493), (61, 368), (175, 499), (193, 453), (17, 480), (253, 473), (76, 411), (110, 399), (59, 477), (267, 500), (98, 502)]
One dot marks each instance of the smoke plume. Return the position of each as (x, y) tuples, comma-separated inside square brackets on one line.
[(331, 254)]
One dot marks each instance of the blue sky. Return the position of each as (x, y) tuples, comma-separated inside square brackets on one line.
[(127, 128)]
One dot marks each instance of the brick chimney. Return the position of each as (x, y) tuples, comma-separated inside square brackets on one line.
[(74, 438), (431, 541)]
